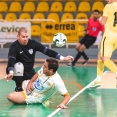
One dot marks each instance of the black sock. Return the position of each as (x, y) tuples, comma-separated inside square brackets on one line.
[(18, 80), (77, 57), (84, 56)]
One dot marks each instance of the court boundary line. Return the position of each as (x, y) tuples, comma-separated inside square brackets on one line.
[(73, 97)]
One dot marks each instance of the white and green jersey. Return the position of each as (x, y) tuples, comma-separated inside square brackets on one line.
[(44, 87)]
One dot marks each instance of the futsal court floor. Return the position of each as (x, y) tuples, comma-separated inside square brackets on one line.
[(101, 102)]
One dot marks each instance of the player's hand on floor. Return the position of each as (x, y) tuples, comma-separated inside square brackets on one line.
[(68, 58), (62, 106)]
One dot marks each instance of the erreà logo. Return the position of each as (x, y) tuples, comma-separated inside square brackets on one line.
[(60, 27)]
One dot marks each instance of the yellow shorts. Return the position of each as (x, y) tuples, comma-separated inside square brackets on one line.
[(108, 43)]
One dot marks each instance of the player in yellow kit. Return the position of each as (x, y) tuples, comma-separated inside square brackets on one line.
[(109, 41)]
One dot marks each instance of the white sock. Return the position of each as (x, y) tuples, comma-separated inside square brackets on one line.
[(98, 78)]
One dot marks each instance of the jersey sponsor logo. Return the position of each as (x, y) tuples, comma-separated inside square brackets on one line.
[(94, 28), (30, 51), (38, 85), (61, 26), (21, 52)]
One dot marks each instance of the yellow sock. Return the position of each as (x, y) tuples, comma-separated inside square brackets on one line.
[(111, 65), (100, 67)]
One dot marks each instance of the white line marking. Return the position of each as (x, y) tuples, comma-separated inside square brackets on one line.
[(105, 72), (53, 113)]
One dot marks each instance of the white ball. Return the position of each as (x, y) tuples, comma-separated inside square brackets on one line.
[(59, 39)]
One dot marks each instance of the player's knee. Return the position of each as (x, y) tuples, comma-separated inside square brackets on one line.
[(81, 49), (18, 69), (77, 47), (106, 61), (10, 96)]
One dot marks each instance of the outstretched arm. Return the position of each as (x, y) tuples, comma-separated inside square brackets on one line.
[(103, 20), (51, 53), (104, 17), (54, 54), (11, 61), (67, 58), (64, 102)]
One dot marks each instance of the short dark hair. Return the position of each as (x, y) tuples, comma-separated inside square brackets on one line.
[(22, 29), (52, 64), (96, 11)]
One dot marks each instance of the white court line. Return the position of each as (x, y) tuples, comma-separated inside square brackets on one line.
[(53, 113)]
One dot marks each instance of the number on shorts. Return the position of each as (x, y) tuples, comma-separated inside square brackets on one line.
[(115, 19)]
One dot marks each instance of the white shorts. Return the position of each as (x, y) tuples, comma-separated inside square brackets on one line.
[(30, 98), (36, 96)]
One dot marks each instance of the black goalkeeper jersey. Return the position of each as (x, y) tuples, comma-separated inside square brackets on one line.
[(26, 54)]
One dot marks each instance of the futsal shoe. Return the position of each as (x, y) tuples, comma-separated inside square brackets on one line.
[(85, 62), (95, 85), (47, 103), (70, 64), (18, 89)]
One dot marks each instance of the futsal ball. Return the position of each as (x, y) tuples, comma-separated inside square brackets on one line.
[(59, 39)]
